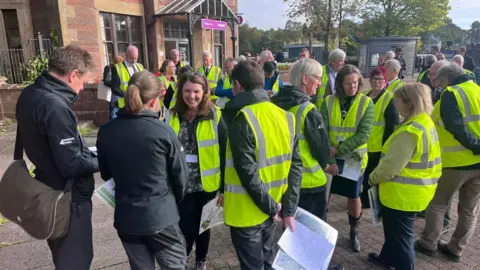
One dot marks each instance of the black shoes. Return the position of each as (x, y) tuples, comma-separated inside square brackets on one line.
[(443, 248), (418, 247), (375, 258)]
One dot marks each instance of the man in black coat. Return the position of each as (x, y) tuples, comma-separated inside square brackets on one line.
[(469, 63)]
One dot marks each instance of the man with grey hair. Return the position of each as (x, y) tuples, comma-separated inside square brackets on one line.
[(211, 72), (336, 60), (389, 55), (224, 86), (175, 57), (47, 130), (266, 56), (469, 63), (460, 61), (393, 68), (423, 77), (458, 127)]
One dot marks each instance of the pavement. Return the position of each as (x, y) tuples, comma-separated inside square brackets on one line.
[(18, 251)]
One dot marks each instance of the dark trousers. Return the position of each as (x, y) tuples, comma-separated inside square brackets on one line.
[(254, 245), (373, 160), (75, 250), (167, 247), (314, 202), (398, 250), (190, 210)]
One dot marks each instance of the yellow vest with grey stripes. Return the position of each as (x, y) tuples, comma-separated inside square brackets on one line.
[(124, 76), (212, 78), (395, 85), (321, 89), (468, 100), (420, 77), (341, 129), (312, 175), (376, 135), (413, 188), (208, 148), (168, 83), (274, 132)]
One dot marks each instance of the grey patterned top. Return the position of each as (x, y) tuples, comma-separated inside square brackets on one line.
[(187, 136)]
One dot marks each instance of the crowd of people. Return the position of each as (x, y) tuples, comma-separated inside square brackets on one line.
[(260, 148)]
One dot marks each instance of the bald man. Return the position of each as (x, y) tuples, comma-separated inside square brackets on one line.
[(432, 76), (175, 57)]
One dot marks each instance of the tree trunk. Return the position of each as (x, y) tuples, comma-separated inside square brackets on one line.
[(329, 25), (310, 37), (340, 10)]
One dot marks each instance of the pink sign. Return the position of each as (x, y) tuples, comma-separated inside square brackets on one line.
[(214, 24)]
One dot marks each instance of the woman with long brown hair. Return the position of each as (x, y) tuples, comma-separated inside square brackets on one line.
[(146, 161), (169, 79), (199, 125)]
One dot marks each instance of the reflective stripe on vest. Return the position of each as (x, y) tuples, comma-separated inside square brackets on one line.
[(321, 89), (376, 135), (124, 76), (167, 82), (212, 77), (276, 85), (453, 153), (341, 129), (208, 148), (413, 188), (420, 77), (274, 132), (395, 85), (313, 175)]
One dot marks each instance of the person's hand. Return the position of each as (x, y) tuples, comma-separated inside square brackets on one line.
[(220, 200), (332, 169), (289, 222), (270, 93), (277, 216), (333, 152)]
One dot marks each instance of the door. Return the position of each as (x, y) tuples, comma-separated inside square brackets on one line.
[(183, 48), (218, 56)]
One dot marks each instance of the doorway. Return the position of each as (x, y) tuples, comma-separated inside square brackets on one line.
[(181, 45)]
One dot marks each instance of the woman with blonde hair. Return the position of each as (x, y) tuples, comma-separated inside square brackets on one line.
[(407, 175), (144, 157), (202, 132)]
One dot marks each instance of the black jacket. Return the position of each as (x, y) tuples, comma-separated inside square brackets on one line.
[(147, 162), (453, 121), (242, 143), (107, 75), (49, 131), (469, 63), (315, 133)]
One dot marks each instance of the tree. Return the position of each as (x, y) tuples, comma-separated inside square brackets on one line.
[(449, 33), (474, 32), (403, 17)]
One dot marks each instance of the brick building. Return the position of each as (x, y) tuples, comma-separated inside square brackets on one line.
[(107, 27)]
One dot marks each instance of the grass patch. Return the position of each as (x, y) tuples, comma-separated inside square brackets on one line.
[(3, 220)]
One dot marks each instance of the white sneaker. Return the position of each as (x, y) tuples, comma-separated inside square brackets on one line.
[(200, 265)]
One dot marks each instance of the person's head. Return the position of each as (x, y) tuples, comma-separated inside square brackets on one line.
[(241, 58), (440, 56), (117, 60), (131, 55), (398, 52), (207, 58), (168, 68), (175, 56), (304, 53), (459, 60), (163, 90), (247, 76), (72, 65), (193, 94), (229, 65), (336, 59), (266, 56), (413, 99), (389, 55), (432, 74), (378, 79), (447, 74), (393, 67), (183, 70), (248, 56), (306, 75), (268, 70), (435, 49), (462, 50), (142, 93), (348, 82), (430, 59)]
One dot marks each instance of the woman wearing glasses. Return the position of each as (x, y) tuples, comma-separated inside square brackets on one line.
[(202, 132), (169, 79), (385, 119)]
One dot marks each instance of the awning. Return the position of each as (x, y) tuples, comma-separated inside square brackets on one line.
[(211, 8)]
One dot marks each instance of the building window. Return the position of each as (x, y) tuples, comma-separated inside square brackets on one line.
[(118, 31), (175, 29)]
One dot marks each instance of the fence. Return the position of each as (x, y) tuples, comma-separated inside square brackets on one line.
[(13, 61)]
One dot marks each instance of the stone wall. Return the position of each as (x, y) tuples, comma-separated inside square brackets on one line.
[(87, 107)]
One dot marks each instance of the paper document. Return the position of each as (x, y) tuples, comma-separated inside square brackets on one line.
[(212, 215), (315, 226), (352, 168), (106, 192), (374, 198), (93, 149)]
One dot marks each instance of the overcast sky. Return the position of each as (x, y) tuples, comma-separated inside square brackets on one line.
[(266, 14)]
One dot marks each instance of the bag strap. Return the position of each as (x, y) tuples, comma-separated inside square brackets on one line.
[(69, 185), (18, 152)]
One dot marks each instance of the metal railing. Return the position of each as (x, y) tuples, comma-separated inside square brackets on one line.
[(13, 61)]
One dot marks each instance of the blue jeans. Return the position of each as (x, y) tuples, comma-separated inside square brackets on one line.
[(397, 251)]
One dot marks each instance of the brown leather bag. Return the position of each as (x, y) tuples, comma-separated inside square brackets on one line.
[(44, 213)]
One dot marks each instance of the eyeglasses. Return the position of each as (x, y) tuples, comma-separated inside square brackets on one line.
[(377, 79)]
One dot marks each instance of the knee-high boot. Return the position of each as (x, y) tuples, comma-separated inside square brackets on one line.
[(354, 241)]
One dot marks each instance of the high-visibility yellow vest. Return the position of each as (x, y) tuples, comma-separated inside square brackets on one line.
[(420, 77), (208, 148), (274, 132), (413, 188), (212, 78), (312, 175), (376, 136), (276, 85), (468, 72), (395, 85), (124, 76), (221, 101), (321, 89), (342, 129), (468, 100), (167, 82)]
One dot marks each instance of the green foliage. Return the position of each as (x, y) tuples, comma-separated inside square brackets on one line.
[(54, 38), (3, 220), (34, 68), (449, 33), (254, 39)]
